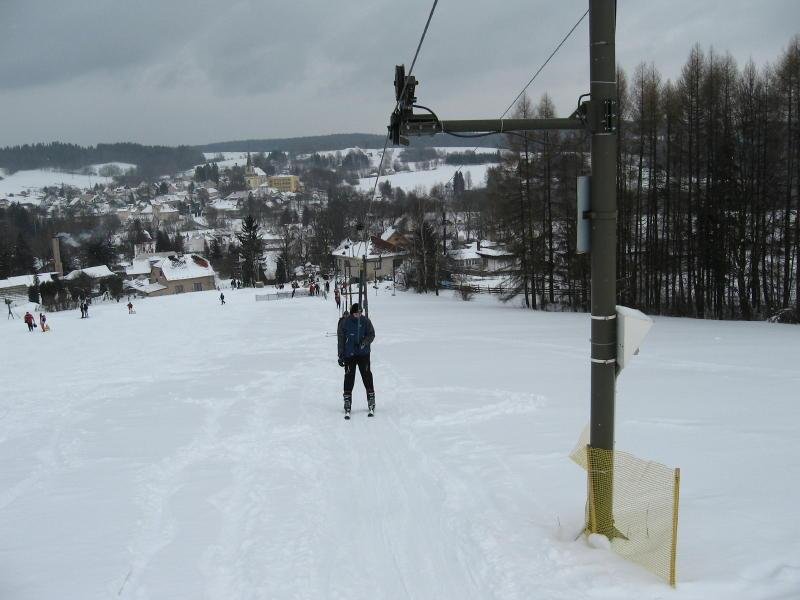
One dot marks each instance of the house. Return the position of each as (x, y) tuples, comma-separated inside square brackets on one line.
[(395, 238), (179, 274), (382, 258), (144, 249), (96, 273), (16, 288), (143, 288), (284, 183), (165, 214), (139, 268), (467, 259), (253, 176), (496, 259)]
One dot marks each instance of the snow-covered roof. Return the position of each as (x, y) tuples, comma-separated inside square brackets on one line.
[(25, 280), (224, 205), (494, 252), (188, 266), (144, 286), (139, 266), (468, 253), (97, 272), (388, 233), (371, 249)]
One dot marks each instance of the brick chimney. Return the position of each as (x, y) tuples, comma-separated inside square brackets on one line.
[(57, 266)]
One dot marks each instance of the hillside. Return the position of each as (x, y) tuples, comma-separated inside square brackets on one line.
[(194, 450), (340, 141)]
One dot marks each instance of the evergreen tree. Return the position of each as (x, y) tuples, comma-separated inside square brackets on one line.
[(99, 251), (177, 243), (280, 270), (458, 185), (23, 260), (6, 257), (215, 251), (163, 243), (251, 250), (33, 291)]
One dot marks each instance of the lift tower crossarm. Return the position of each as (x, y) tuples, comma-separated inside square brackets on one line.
[(429, 125)]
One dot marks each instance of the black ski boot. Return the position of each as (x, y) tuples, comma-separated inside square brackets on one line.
[(348, 400), (371, 404)]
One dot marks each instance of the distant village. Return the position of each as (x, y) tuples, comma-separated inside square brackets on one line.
[(185, 233)]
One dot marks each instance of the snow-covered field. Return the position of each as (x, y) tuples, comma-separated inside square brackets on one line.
[(230, 159), (194, 450), (34, 180), (411, 180)]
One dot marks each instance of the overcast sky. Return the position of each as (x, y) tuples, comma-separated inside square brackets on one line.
[(198, 71)]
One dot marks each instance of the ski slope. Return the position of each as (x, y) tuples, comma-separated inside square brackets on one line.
[(198, 451), (36, 179)]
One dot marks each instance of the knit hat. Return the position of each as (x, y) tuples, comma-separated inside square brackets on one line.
[(355, 308)]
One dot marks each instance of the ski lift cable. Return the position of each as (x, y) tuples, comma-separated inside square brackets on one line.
[(368, 216), (397, 103), (525, 87)]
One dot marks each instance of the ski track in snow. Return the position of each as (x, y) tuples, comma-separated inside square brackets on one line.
[(210, 458)]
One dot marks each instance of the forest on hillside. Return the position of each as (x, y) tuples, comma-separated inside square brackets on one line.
[(708, 178), (151, 161)]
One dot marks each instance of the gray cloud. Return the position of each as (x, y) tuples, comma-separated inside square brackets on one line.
[(192, 71)]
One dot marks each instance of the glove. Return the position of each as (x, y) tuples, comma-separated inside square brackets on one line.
[(341, 362)]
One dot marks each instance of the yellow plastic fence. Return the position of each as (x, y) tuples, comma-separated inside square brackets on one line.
[(634, 502)]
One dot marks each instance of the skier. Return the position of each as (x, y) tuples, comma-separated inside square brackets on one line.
[(355, 335), (222, 298), (130, 309), (43, 323), (30, 321), (327, 286), (10, 314), (85, 310), (337, 296)]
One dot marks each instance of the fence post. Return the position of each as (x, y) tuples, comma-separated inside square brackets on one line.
[(674, 549)]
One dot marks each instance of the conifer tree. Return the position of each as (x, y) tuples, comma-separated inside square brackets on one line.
[(251, 249)]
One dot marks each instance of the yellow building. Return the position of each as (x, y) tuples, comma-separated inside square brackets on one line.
[(284, 183)]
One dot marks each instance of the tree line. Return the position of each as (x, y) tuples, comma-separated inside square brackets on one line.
[(151, 161), (707, 185)]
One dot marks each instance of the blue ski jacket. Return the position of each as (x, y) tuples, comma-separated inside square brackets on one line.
[(355, 335)]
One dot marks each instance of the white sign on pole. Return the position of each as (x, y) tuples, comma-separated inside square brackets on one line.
[(632, 327)]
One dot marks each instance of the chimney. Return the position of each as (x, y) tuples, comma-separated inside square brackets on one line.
[(57, 257)]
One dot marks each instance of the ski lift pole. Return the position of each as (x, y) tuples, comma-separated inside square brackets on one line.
[(364, 281), (599, 116)]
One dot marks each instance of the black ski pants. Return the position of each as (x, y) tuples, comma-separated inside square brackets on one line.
[(350, 374)]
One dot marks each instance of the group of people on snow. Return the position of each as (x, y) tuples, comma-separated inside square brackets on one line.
[(30, 321)]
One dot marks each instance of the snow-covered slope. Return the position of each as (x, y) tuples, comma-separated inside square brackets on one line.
[(411, 180), (194, 450), (34, 180)]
